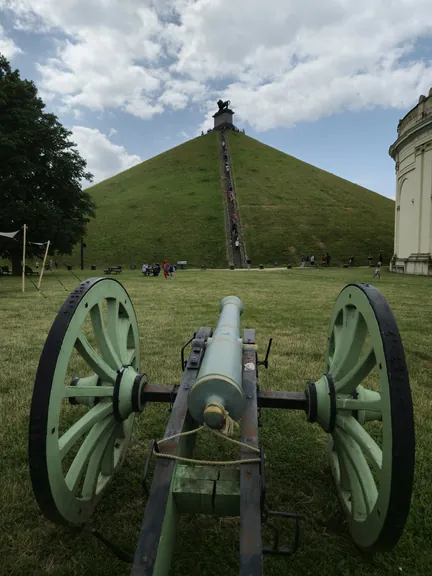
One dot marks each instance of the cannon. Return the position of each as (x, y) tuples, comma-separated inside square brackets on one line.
[(90, 385)]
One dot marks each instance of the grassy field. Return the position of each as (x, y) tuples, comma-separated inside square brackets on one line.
[(168, 207), (289, 208), (294, 308)]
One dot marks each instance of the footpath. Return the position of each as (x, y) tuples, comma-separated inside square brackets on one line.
[(234, 236)]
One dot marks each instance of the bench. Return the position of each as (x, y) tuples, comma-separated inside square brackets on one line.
[(113, 270)]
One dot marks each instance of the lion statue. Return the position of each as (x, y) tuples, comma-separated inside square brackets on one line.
[(223, 105)]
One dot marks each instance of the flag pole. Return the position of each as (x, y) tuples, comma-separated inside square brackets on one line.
[(23, 261), (43, 265)]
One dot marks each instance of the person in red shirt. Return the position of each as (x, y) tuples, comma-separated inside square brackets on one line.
[(166, 268)]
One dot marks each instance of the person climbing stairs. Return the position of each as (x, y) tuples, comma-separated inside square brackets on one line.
[(233, 229)]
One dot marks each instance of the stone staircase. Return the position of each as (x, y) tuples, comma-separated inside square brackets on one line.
[(236, 249)]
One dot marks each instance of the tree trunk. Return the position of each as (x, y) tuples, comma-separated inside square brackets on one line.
[(16, 266)]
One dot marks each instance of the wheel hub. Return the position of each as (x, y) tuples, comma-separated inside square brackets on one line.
[(127, 392), (321, 397)]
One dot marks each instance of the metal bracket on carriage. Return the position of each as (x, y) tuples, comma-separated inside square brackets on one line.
[(195, 358), (153, 446), (265, 361), (275, 549)]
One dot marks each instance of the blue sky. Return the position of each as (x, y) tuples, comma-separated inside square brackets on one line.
[(323, 81)]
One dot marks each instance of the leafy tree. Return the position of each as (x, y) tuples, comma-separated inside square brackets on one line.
[(40, 174)]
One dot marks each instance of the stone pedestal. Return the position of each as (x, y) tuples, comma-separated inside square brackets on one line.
[(420, 264), (223, 119)]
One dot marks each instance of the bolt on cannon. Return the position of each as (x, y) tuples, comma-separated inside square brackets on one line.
[(74, 457)]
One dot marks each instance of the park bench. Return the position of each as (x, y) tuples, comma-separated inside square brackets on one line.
[(113, 270), (6, 271)]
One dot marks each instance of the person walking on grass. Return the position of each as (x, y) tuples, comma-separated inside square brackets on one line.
[(377, 271), (165, 267), (171, 271)]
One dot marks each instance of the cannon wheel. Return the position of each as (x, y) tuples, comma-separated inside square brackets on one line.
[(371, 440), (77, 439)]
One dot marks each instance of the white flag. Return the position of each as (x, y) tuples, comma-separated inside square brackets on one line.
[(10, 234)]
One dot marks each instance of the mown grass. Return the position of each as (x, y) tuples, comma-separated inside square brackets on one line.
[(294, 308), (170, 206), (289, 208)]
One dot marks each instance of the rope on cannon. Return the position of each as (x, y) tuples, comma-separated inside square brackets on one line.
[(228, 429)]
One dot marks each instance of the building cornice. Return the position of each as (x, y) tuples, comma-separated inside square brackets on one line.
[(416, 130)]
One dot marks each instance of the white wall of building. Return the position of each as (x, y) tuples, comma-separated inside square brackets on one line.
[(412, 152)]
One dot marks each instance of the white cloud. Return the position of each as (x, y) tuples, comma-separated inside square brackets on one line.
[(184, 135), (8, 48), (279, 61), (104, 159), (173, 99)]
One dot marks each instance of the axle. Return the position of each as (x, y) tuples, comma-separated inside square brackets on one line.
[(266, 398)]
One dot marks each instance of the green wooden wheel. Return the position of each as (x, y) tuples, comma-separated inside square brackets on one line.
[(86, 392), (364, 403)]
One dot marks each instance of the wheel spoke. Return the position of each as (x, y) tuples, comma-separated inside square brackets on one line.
[(94, 466), (107, 461), (337, 331), (113, 310), (123, 331), (81, 426), (356, 375), (100, 433), (95, 362), (350, 342), (356, 498), (356, 404), (356, 464), (103, 340), (356, 431), (96, 391)]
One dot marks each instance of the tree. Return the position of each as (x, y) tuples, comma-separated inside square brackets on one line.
[(41, 173)]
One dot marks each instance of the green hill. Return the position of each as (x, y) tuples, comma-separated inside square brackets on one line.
[(288, 208), (171, 206)]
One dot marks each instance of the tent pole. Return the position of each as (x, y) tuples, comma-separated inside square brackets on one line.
[(23, 260), (43, 265)]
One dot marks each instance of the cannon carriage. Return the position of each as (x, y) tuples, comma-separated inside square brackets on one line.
[(90, 386)]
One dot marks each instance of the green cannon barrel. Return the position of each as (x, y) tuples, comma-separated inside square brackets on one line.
[(218, 388)]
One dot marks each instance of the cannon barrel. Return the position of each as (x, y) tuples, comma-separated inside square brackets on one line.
[(218, 388)]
